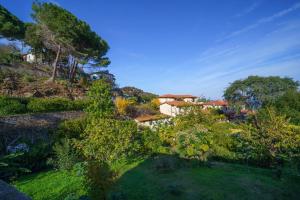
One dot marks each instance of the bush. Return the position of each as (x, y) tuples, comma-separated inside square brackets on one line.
[(28, 78), (10, 168), (122, 105), (65, 155), (71, 129), (10, 106), (108, 140), (54, 104), (99, 178)]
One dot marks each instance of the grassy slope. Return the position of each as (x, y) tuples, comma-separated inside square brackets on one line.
[(54, 185), (222, 181)]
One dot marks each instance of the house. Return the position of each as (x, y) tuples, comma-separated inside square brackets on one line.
[(175, 97), (152, 120), (32, 58), (173, 108), (219, 104)]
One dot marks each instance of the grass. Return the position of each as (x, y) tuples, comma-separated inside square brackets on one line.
[(142, 180), (54, 185), (221, 181)]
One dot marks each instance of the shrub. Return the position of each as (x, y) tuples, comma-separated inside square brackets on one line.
[(99, 178), (65, 155), (108, 140), (194, 144), (101, 104), (270, 140), (54, 104), (155, 103), (71, 129), (122, 105), (10, 168), (10, 106), (28, 78)]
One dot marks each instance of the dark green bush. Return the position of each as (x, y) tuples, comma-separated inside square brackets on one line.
[(10, 106), (65, 155), (54, 104), (71, 128)]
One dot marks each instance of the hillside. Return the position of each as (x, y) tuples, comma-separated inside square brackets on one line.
[(31, 81)]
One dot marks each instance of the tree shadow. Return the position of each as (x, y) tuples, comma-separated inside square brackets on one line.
[(170, 177)]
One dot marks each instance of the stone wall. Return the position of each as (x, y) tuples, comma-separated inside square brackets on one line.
[(31, 127)]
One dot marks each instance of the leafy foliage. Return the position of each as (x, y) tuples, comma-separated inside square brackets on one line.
[(54, 104), (122, 105), (256, 91), (289, 105), (100, 97), (10, 106), (271, 140), (9, 54), (10, 26), (65, 155), (108, 140)]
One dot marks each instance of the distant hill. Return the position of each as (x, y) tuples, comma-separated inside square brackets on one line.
[(139, 95)]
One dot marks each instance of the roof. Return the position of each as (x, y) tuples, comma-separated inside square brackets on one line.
[(179, 103), (145, 118), (216, 103), (177, 96)]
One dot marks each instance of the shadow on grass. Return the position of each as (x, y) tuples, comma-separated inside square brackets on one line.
[(170, 177)]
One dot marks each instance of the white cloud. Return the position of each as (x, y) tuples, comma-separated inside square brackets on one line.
[(264, 20), (248, 10), (278, 53)]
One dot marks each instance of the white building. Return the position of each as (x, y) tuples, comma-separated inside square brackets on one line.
[(173, 108), (219, 104), (152, 120), (175, 97)]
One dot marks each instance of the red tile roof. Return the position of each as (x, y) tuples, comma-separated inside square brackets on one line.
[(177, 96), (145, 118), (216, 103)]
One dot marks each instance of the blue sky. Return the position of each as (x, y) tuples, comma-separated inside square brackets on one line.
[(190, 46)]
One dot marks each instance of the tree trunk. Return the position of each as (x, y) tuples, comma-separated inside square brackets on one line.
[(73, 72), (54, 65)]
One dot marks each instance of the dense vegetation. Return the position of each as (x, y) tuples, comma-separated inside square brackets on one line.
[(14, 105), (106, 155)]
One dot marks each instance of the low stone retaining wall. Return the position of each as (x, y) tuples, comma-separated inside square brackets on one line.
[(31, 127)]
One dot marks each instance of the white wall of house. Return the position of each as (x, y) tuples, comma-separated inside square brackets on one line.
[(163, 100), (30, 58), (188, 99), (170, 110)]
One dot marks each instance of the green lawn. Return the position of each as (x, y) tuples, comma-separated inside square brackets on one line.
[(54, 185), (221, 181), (143, 181)]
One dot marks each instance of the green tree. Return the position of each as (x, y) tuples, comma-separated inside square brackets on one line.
[(9, 54), (289, 105), (101, 102), (108, 140), (68, 36), (10, 26), (255, 91), (271, 138)]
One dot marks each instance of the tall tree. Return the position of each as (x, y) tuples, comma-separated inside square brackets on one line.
[(54, 25), (10, 26), (66, 35), (255, 91)]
